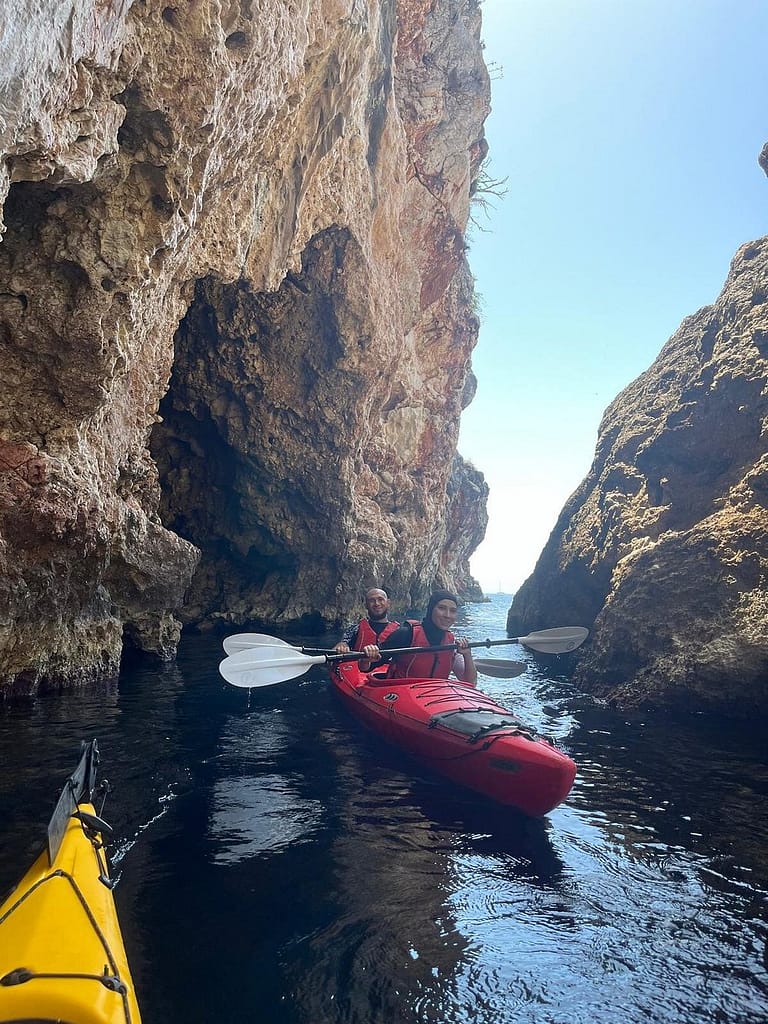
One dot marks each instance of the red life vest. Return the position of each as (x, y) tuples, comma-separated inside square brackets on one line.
[(366, 634), (430, 665)]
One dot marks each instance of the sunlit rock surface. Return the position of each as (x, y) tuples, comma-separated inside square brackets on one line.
[(663, 549), (235, 317)]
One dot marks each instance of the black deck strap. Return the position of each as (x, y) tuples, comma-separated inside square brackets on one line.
[(59, 873), (481, 702), (111, 981), (514, 730), (21, 975), (436, 720)]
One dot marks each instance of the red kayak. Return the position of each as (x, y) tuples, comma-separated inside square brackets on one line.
[(460, 733)]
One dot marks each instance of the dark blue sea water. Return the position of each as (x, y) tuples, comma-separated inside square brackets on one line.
[(279, 865)]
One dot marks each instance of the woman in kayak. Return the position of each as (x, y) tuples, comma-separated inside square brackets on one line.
[(434, 630)]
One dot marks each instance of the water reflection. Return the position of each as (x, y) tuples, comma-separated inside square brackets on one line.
[(258, 803), (398, 944), (258, 815), (280, 864), (678, 783)]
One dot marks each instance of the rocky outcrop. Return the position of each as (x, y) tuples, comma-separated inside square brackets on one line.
[(235, 316), (467, 491), (663, 549)]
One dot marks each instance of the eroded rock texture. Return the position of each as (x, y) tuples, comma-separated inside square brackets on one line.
[(663, 549), (235, 316)]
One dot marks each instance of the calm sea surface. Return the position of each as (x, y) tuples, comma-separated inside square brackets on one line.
[(279, 865)]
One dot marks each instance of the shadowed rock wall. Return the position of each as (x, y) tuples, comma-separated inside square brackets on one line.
[(262, 205), (663, 549)]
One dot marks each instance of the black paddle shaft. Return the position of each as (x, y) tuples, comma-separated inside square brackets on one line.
[(358, 655)]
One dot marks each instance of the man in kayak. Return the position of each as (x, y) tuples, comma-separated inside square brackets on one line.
[(434, 630), (372, 630)]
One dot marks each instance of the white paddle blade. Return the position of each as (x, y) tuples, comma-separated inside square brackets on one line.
[(261, 666), (501, 668), (258, 676), (556, 641), (246, 641)]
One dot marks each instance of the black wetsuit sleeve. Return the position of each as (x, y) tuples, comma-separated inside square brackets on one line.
[(379, 627)]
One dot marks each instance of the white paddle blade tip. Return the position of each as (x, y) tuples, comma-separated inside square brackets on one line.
[(560, 640), (247, 641)]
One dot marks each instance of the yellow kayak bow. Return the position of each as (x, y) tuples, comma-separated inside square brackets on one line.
[(62, 957)]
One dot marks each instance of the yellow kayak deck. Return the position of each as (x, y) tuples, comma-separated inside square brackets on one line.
[(62, 956)]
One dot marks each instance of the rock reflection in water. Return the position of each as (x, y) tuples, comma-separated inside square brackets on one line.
[(258, 815), (255, 802)]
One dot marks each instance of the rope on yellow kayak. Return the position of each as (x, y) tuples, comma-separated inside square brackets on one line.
[(113, 981)]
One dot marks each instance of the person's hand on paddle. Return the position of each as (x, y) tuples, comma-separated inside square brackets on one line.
[(467, 671), (372, 653), (341, 648)]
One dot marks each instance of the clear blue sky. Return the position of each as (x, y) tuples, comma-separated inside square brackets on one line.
[(628, 132)]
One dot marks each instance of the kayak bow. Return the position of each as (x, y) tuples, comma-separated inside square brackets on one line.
[(62, 957)]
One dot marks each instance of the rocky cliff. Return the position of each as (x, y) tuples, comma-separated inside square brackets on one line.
[(663, 549), (235, 316)]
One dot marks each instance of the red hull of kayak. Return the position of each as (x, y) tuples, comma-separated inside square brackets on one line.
[(462, 734)]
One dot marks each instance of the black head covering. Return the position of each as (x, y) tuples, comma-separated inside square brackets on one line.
[(434, 635), (436, 598)]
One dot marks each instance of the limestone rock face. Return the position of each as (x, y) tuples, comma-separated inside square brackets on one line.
[(235, 316), (467, 490), (663, 549)]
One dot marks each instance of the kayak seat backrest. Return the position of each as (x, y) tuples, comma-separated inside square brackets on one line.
[(378, 677)]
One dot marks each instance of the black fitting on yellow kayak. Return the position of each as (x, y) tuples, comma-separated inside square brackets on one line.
[(17, 977), (21, 975), (93, 822)]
